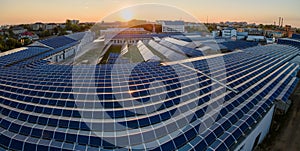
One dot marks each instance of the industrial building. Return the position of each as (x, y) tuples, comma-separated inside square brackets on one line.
[(229, 33), (172, 26), (180, 100)]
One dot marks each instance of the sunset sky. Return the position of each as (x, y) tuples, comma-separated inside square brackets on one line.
[(258, 11)]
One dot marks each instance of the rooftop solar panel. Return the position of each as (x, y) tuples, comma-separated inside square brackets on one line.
[(51, 106)]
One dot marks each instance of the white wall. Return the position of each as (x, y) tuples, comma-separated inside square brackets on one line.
[(173, 28), (255, 38), (228, 33), (262, 127), (69, 52)]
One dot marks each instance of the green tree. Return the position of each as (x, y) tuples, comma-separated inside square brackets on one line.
[(26, 26), (68, 24), (75, 28), (13, 43), (45, 33), (1, 48), (261, 26), (27, 41), (62, 32), (56, 30)]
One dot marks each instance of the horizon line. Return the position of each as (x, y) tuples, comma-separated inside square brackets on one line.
[(59, 22)]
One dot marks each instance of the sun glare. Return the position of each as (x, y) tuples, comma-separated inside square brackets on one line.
[(126, 15)]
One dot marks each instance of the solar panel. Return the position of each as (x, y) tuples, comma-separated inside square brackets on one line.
[(146, 52), (168, 53), (39, 108)]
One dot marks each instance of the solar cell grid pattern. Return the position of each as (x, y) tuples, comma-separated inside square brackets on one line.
[(41, 109), (296, 36)]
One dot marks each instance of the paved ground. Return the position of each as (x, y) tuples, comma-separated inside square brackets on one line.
[(286, 135)]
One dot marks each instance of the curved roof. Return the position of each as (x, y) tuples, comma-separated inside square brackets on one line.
[(158, 107)]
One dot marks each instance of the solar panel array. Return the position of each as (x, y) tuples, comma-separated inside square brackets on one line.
[(114, 58), (296, 36), (76, 36), (19, 56), (40, 108), (33, 55), (287, 41), (222, 43), (146, 52), (57, 42), (171, 55), (239, 44), (288, 90), (181, 49)]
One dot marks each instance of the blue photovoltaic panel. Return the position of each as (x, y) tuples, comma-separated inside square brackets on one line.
[(41, 109), (57, 42)]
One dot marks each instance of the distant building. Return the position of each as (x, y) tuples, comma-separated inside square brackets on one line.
[(242, 35), (18, 30), (215, 33), (4, 32), (4, 27), (229, 33), (63, 25), (111, 33), (289, 30), (38, 26), (251, 31), (115, 31), (74, 21), (270, 40), (192, 24), (172, 26), (275, 34), (255, 38), (50, 26), (29, 35), (254, 34), (278, 34)]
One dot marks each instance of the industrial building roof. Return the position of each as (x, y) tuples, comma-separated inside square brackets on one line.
[(202, 104)]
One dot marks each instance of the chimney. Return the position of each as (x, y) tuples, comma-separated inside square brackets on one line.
[(282, 22)]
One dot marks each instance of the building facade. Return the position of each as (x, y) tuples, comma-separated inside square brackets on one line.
[(229, 33), (173, 26)]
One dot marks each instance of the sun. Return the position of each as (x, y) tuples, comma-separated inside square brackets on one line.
[(126, 15)]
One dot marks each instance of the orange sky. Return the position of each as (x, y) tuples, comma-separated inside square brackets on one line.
[(258, 11)]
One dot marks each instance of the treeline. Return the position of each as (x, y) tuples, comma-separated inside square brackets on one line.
[(11, 43)]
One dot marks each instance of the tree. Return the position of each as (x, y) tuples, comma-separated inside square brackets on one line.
[(45, 33), (261, 26), (68, 24), (26, 26), (62, 32), (2, 44), (27, 41), (1, 48), (56, 30), (75, 28), (13, 43)]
